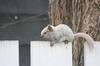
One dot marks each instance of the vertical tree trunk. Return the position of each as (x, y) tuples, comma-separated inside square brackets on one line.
[(81, 16)]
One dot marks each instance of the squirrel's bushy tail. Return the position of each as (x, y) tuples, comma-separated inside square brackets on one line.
[(89, 39)]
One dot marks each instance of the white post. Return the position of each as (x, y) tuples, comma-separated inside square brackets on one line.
[(92, 58), (9, 53), (44, 55)]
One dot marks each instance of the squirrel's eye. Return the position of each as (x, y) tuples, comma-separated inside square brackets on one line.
[(44, 32)]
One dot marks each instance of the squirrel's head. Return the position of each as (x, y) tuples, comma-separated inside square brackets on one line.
[(47, 31)]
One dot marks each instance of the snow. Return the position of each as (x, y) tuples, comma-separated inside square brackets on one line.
[(44, 55)]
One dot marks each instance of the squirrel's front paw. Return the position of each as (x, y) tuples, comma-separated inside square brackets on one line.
[(51, 44)]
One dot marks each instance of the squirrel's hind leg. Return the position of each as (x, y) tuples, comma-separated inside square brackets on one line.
[(65, 41)]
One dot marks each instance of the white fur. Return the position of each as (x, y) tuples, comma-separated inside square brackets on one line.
[(63, 32), (90, 41)]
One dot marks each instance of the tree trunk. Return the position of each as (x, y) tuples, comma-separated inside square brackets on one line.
[(81, 16)]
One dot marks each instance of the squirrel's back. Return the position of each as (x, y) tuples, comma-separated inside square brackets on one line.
[(65, 32)]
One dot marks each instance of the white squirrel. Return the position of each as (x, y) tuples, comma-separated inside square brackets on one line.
[(63, 33)]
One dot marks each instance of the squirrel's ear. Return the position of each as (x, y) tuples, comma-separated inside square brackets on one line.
[(50, 28)]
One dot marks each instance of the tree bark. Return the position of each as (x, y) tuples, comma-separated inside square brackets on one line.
[(81, 16)]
